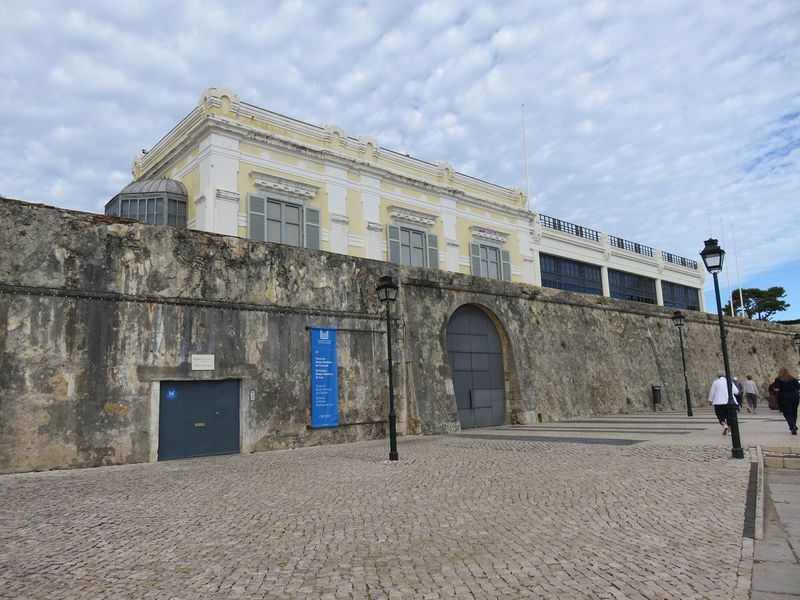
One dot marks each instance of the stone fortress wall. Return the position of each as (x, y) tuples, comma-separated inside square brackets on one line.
[(96, 311)]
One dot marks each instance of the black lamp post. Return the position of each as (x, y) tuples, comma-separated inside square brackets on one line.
[(387, 292), (679, 320), (713, 256)]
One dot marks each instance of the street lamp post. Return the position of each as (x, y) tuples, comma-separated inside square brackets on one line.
[(387, 292), (680, 321), (713, 257)]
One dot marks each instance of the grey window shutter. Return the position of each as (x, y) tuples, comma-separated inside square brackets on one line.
[(505, 257), (312, 228), (256, 222), (433, 252), (475, 254), (394, 243)]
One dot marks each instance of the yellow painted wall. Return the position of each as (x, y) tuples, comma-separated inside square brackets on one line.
[(192, 182), (252, 149), (357, 225)]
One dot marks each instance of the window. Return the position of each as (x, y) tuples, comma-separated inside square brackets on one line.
[(412, 247), (564, 274), (680, 296), (627, 286), (176, 213), (490, 261), (155, 201), (152, 210), (283, 222)]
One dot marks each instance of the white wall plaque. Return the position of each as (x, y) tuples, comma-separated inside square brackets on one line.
[(202, 362)]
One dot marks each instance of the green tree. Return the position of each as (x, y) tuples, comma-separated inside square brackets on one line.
[(758, 304)]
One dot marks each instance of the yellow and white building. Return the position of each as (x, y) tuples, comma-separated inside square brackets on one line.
[(253, 173)]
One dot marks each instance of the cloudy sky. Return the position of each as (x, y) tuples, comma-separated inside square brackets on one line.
[(660, 121)]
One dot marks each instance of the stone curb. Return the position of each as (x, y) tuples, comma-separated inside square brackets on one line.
[(744, 573), (787, 459), (759, 533)]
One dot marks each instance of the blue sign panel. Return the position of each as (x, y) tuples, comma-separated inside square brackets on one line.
[(172, 393), (324, 379)]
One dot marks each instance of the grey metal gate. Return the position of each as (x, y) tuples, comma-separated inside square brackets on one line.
[(476, 362), (198, 418)]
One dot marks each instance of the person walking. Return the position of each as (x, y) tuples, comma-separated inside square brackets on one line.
[(788, 397), (751, 393), (718, 396), (737, 392)]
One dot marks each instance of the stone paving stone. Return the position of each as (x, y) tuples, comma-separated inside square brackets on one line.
[(778, 578), (456, 517)]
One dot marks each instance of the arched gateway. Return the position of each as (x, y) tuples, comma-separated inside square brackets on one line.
[(476, 362)]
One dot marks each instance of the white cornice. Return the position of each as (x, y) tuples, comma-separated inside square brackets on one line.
[(488, 235), (272, 183), (406, 215), (228, 196), (183, 134)]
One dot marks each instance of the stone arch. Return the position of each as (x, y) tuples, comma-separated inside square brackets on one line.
[(481, 367)]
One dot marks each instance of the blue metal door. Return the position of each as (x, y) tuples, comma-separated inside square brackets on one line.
[(198, 418), (476, 362)]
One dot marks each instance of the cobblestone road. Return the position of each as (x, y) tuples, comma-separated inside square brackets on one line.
[(456, 517)]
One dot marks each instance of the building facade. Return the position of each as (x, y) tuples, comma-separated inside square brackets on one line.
[(256, 174)]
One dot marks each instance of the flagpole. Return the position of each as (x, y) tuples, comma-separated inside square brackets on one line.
[(738, 277), (525, 154), (727, 270)]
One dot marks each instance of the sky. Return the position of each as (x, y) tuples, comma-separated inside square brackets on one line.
[(661, 122)]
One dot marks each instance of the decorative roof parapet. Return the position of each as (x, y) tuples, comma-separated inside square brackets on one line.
[(399, 213), (368, 146), (334, 134), (445, 170), (488, 235), (212, 98)]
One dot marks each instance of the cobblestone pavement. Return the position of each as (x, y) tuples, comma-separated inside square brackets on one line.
[(457, 517)]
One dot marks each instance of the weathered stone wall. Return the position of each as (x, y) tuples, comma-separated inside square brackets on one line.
[(569, 355), (95, 312)]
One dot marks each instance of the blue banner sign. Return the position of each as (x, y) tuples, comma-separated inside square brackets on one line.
[(324, 378)]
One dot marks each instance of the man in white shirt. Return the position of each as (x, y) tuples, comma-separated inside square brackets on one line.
[(718, 396)]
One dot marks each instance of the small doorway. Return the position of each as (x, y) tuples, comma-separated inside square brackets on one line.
[(198, 418), (476, 362)]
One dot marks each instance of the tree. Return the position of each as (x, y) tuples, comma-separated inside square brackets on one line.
[(759, 304)]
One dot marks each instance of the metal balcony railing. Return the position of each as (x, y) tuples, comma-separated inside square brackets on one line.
[(679, 260), (571, 228), (616, 242), (630, 246)]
